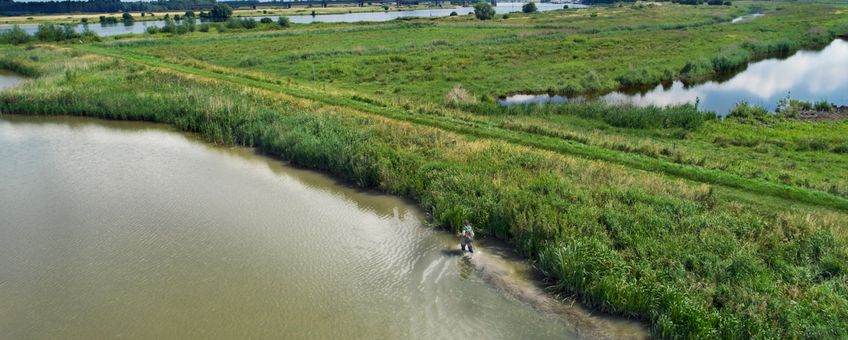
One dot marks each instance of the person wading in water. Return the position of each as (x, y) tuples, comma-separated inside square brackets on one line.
[(466, 235)]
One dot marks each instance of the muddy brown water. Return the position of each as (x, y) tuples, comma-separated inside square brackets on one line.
[(133, 230)]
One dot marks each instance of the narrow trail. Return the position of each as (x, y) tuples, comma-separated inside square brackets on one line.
[(481, 129)]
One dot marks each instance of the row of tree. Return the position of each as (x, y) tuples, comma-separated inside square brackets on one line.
[(45, 33), (9, 7)]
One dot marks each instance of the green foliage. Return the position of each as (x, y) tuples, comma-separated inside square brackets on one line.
[(682, 116), (529, 7), (283, 22), (219, 12), (14, 36), (51, 32), (265, 21), (697, 261), (453, 14), (127, 17), (484, 11), (746, 112), (250, 61)]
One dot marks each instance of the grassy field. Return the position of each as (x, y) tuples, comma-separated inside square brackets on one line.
[(704, 227)]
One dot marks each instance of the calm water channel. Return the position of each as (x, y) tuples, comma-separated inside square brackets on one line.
[(141, 26), (806, 75), (122, 229)]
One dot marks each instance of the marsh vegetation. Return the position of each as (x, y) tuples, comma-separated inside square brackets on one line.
[(704, 227)]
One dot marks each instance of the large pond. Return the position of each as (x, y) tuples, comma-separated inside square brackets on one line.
[(141, 26), (132, 230), (806, 75)]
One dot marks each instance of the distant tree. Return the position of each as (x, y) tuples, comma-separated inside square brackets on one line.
[(127, 16), (84, 20), (266, 20), (453, 14), (189, 14), (283, 21), (177, 17), (220, 12), (529, 7), (484, 11)]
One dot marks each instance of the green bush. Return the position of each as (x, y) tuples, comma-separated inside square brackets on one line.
[(266, 20), (283, 22), (250, 61), (529, 7), (51, 32), (484, 11), (15, 36), (745, 112)]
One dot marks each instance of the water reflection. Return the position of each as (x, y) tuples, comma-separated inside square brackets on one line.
[(141, 26), (9, 79), (746, 17), (806, 75)]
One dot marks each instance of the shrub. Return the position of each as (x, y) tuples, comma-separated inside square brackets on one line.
[(51, 32), (564, 6), (204, 27), (15, 36), (484, 11), (744, 111), (505, 16), (151, 30), (248, 23), (454, 13), (730, 59), (697, 70), (127, 17), (250, 61), (283, 22), (529, 7), (266, 20), (189, 14), (234, 23), (220, 12)]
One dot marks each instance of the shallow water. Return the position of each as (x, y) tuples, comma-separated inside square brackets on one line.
[(9, 79), (122, 229), (806, 75), (140, 26), (745, 18)]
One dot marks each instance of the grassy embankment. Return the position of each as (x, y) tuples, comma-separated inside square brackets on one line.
[(415, 64), (695, 260)]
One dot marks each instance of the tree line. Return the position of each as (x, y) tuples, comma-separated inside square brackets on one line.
[(9, 7)]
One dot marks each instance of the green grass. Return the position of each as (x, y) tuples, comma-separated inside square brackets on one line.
[(694, 260), (704, 227)]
